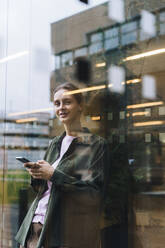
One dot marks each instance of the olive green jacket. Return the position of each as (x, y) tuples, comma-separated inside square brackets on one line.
[(78, 184)]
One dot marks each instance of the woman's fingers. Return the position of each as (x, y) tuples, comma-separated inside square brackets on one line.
[(36, 174), (37, 177), (40, 170), (35, 170), (28, 165), (31, 165), (41, 161)]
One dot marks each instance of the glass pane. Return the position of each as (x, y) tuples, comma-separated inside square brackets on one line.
[(131, 26), (67, 59), (129, 38), (111, 43), (162, 28), (111, 33), (57, 62), (94, 48), (162, 16), (108, 190), (80, 52), (96, 37)]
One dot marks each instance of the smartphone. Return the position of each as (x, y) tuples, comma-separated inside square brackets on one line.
[(23, 160)]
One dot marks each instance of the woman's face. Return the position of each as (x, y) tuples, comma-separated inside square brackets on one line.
[(67, 109)]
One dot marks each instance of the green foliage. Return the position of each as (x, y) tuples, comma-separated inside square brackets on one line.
[(10, 185)]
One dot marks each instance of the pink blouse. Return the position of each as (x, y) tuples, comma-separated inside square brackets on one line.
[(43, 203)]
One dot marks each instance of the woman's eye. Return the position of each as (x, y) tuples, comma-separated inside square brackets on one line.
[(56, 104)]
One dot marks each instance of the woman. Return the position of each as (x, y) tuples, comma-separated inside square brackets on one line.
[(69, 181)]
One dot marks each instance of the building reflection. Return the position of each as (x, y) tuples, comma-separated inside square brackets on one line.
[(26, 136), (132, 121), (130, 116)]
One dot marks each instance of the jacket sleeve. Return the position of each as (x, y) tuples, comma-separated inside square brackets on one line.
[(97, 173)]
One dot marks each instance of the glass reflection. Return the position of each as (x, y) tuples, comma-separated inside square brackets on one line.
[(131, 122)]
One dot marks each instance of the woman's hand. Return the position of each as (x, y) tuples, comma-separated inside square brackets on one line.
[(40, 169)]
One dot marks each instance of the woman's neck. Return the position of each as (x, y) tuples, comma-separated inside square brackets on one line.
[(73, 129)]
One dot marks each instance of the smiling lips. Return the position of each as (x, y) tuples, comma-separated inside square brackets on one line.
[(63, 115)]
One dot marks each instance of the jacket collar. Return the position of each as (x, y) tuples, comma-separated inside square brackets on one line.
[(84, 138)]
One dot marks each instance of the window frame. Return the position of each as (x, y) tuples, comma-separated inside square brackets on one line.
[(96, 42), (112, 37), (161, 22), (67, 62), (122, 34)]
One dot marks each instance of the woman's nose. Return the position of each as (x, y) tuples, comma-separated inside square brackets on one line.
[(62, 106)]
